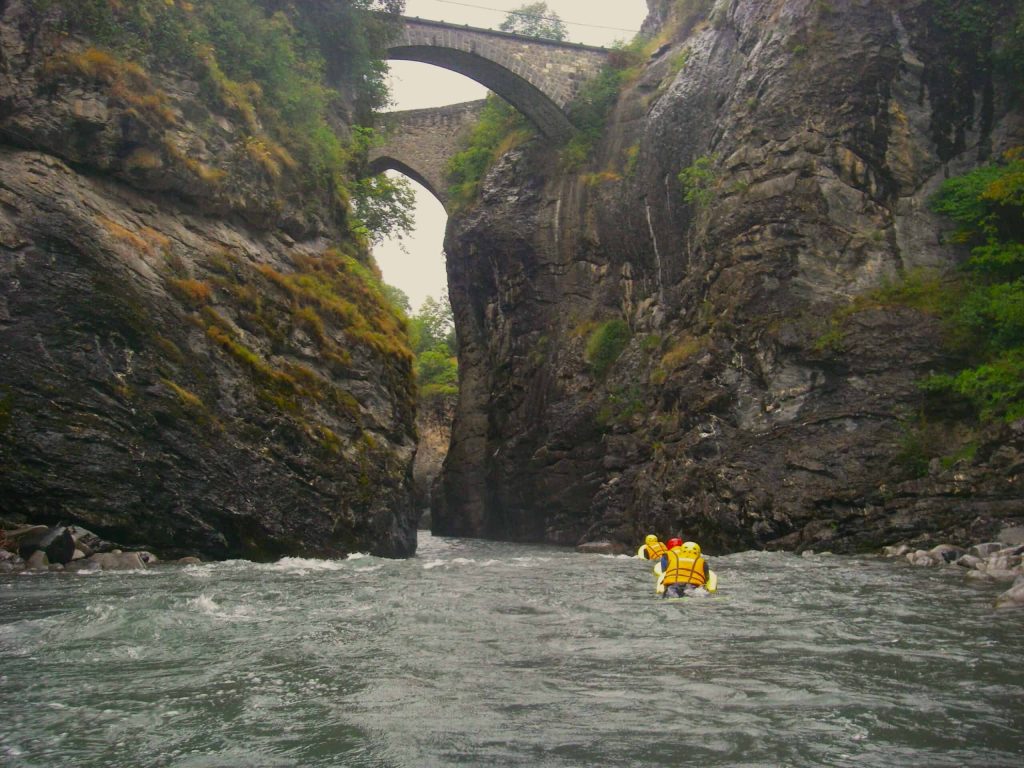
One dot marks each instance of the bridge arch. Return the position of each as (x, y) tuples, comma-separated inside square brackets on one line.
[(419, 143), (538, 77)]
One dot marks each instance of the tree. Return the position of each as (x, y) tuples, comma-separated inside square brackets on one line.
[(433, 327), (535, 20)]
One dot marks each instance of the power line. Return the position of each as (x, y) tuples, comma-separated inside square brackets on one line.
[(545, 18)]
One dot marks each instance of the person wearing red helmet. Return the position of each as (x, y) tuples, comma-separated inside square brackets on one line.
[(683, 570), (673, 543)]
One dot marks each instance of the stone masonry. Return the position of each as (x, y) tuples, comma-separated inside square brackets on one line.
[(420, 142), (539, 77)]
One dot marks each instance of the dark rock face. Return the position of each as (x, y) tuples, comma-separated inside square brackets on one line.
[(755, 405), (163, 379)]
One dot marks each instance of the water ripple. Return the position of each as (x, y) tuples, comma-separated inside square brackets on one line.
[(482, 653)]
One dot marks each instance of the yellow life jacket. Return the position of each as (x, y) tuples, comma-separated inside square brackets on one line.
[(654, 551), (683, 570)]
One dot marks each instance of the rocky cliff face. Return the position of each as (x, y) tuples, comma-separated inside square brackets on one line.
[(768, 390), (194, 356)]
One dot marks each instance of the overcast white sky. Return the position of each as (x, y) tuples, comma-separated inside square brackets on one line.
[(420, 270)]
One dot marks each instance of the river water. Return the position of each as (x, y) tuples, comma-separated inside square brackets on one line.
[(479, 653)]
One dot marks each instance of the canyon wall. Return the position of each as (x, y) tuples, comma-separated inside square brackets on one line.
[(714, 356), (195, 355)]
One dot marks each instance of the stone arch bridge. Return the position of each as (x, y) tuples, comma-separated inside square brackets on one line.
[(538, 77)]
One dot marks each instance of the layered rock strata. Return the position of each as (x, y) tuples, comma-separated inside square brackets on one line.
[(767, 391), (193, 355)]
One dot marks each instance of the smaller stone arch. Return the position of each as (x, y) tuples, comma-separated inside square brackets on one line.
[(420, 142)]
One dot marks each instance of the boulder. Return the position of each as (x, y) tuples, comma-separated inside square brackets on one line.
[(119, 561), (37, 561), (1012, 598), (971, 562), (922, 558), (601, 548), (56, 542), (946, 553), (15, 535), (83, 566), (1002, 562), (1002, 576), (189, 561), (897, 550), (984, 550)]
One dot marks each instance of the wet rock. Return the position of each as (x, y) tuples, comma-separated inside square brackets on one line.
[(37, 561), (767, 407), (601, 548), (984, 550), (1012, 598), (946, 553), (1002, 575), (83, 566), (898, 550), (923, 559), (189, 561), (119, 561), (971, 562)]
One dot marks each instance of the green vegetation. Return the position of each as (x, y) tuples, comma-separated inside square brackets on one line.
[(500, 128), (605, 344), (593, 104), (926, 291), (698, 180), (683, 348), (432, 337), (988, 320), (621, 404), (277, 65), (535, 20), (982, 305)]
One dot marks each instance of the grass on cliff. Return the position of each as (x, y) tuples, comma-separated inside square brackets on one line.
[(277, 66), (982, 304), (500, 128), (604, 346)]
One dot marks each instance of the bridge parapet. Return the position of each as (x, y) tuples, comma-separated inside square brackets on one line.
[(539, 77), (420, 143)]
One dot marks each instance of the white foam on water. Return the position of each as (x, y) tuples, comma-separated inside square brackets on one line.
[(204, 604), (208, 606), (434, 564), (358, 556), (303, 565)]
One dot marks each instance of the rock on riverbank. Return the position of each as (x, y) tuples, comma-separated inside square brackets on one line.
[(993, 562), (68, 548)]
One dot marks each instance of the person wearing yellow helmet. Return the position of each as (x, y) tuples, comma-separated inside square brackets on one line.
[(683, 569), (651, 549)]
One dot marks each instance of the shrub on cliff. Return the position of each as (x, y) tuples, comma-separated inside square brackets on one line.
[(605, 345), (499, 129), (988, 206), (283, 68)]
